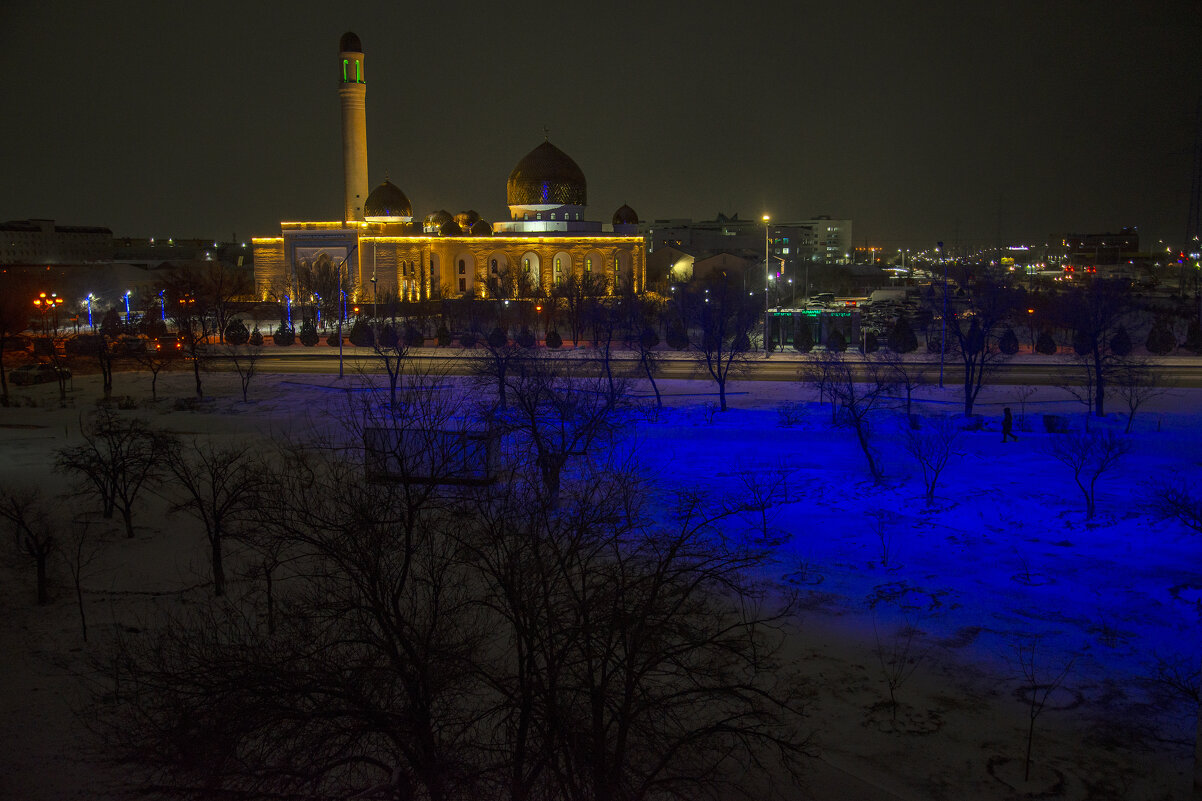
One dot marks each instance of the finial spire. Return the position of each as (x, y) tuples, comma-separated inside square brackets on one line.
[(546, 134)]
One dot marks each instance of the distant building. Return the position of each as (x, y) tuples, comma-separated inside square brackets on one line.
[(1090, 251), (43, 242), (821, 239)]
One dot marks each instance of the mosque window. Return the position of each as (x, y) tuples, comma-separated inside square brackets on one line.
[(552, 215), (462, 267), (588, 264), (526, 264), (462, 284), (538, 215), (493, 265)]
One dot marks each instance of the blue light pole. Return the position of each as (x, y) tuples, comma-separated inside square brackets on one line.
[(289, 299), (318, 307), (127, 307), (90, 323), (163, 307)]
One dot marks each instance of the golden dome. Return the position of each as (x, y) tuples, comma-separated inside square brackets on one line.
[(386, 200), (546, 177)]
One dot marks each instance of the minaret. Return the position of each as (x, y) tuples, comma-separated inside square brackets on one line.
[(352, 91)]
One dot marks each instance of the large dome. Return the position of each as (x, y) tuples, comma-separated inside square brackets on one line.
[(625, 216), (387, 201), (349, 43), (546, 177)]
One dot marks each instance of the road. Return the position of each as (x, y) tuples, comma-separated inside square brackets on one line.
[(1176, 372)]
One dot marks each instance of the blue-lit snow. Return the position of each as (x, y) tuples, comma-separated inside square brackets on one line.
[(1005, 554)]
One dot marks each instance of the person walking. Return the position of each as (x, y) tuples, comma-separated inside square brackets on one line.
[(1008, 425)]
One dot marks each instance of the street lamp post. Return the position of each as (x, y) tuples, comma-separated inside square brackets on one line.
[(943, 336), (343, 312), (127, 292), (767, 234), (90, 323)]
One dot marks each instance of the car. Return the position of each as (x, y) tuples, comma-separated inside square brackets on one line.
[(37, 374), (167, 342)]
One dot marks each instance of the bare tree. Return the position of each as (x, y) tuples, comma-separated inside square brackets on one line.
[(189, 304), (1038, 687), (1090, 456), (724, 321), (156, 358), (393, 351), (764, 489), (1177, 502), (899, 656), (973, 331), (28, 516), (500, 355), (907, 376), (1135, 383), (220, 488), (557, 413), (244, 359), (118, 459), (822, 369), (860, 396), (931, 446), (80, 550)]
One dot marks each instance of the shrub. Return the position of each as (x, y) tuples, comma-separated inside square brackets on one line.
[(256, 337), (648, 339), (870, 343), (496, 338), (443, 336), (1045, 344), (901, 338), (804, 341), (1008, 344), (678, 337), (236, 333), (467, 339), (333, 339), (1120, 343), (1055, 424), (790, 414), (284, 335), (525, 338), (1160, 338), (388, 336), (836, 342), (554, 340), (413, 337), (361, 335), (308, 334), (1193, 337)]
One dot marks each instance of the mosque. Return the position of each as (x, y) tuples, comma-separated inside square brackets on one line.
[(388, 252)]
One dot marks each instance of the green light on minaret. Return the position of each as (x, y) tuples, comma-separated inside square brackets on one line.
[(344, 63), (358, 71)]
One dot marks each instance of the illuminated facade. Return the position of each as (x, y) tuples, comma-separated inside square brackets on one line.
[(386, 252)]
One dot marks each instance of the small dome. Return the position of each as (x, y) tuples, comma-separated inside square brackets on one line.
[(349, 43), (626, 216), (481, 228), (438, 218), (467, 219), (450, 228), (546, 176), (386, 200)]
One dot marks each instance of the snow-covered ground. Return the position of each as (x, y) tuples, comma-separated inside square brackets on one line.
[(1004, 557)]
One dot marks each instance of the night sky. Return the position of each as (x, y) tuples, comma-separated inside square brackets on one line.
[(919, 121)]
